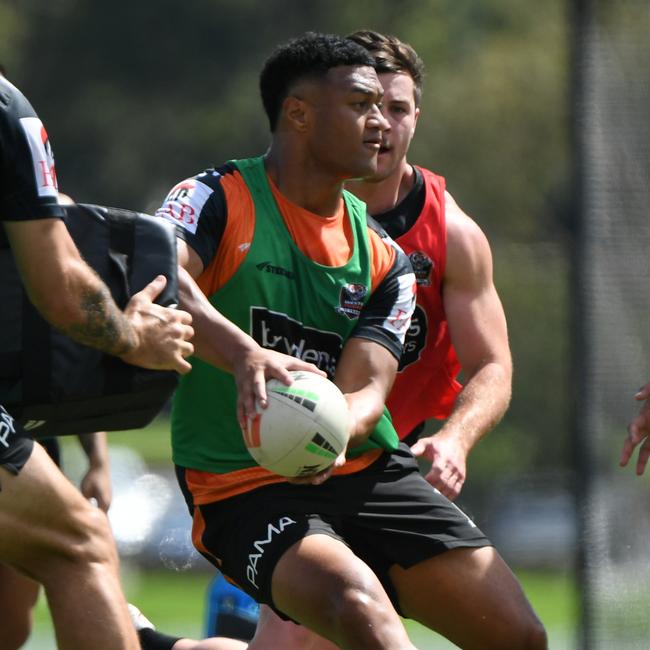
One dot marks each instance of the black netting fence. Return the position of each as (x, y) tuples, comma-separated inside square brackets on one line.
[(612, 313)]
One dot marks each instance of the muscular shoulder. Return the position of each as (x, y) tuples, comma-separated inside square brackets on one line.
[(468, 250), (13, 103), (28, 187), (17, 117)]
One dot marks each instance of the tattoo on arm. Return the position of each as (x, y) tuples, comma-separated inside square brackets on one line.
[(104, 326)]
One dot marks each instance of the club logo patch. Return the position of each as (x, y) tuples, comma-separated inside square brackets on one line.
[(422, 266), (351, 300)]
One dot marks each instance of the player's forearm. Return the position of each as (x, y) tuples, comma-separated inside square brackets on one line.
[(219, 342), (82, 308), (96, 448), (365, 374), (480, 405), (366, 407), (65, 290)]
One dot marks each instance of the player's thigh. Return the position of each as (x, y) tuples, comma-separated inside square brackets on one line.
[(317, 575), (467, 594), (42, 512)]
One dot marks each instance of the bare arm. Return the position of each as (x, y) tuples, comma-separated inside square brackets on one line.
[(221, 343), (479, 334), (365, 375), (96, 483), (639, 433), (67, 292), (70, 296)]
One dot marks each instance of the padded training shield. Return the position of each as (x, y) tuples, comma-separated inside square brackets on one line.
[(55, 386)]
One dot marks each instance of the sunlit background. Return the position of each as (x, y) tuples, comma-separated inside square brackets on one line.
[(537, 115)]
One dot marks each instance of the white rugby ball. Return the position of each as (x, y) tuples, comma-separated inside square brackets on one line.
[(303, 429)]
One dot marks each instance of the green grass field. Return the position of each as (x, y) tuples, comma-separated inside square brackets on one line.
[(174, 601)]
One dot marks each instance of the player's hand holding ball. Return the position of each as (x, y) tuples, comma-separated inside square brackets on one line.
[(303, 431)]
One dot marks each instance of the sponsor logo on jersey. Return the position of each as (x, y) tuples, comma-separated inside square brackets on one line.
[(351, 300), (42, 156), (259, 547), (422, 266), (184, 203), (267, 267), (6, 426), (415, 340), (277, 331)]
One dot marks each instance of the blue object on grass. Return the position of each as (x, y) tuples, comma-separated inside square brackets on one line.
[(231, 612)]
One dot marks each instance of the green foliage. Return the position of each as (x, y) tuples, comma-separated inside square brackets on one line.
[(12, 33), (533, 282)]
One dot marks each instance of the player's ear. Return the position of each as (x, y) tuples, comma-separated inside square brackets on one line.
[(415, 121), (296, 111)]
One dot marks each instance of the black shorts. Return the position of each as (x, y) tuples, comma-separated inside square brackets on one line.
[(15, 443), (387, 514)]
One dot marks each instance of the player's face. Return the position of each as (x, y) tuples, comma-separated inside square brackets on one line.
[(402, 115), (347, 124)]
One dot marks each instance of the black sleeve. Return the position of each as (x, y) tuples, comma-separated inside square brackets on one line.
[(28, 186), (386, 317), (197, 207)]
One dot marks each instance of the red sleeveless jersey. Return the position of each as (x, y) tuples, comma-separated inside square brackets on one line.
[(426, 385)]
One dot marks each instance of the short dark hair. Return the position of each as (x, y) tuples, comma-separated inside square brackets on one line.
[(392, 55), (309, 56)]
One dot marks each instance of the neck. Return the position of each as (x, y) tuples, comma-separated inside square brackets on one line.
[(303, 182), (386, 194)]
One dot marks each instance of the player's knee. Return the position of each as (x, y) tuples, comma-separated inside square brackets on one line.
[(94, 540), (360, 608), (83, 537)]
